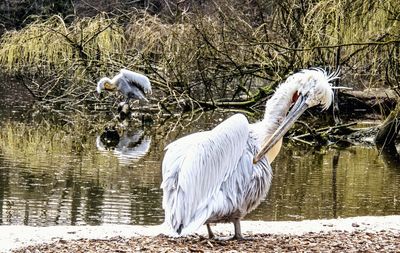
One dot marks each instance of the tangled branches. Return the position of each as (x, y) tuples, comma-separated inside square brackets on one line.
[(203, 58)]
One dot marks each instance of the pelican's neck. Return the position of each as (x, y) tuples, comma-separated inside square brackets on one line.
[(116, 80), (275, 111), (278, 106)]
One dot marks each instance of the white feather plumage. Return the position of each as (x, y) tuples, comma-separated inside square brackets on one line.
[(132, 85), (209, 177)]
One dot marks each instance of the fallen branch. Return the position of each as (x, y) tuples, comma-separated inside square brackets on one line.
[(325, 129), (302, 141)]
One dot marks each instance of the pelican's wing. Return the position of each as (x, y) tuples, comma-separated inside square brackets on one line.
[(195, 166), (141, 81)]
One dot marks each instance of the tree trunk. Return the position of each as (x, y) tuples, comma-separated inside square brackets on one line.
[(389, 130)]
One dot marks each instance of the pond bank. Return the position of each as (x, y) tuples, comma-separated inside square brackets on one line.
[(14, 237)]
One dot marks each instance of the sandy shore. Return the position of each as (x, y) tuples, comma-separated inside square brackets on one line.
[(14, 237)]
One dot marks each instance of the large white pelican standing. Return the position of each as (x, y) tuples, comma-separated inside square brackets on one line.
[(222, 174), (130, 84)]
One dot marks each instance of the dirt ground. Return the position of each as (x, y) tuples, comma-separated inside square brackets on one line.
[(311, 242), (358, 234)]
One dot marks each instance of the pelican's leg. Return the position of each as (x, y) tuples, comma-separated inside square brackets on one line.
[(127, 101), (210, 232), (120, 106), (238, 233)]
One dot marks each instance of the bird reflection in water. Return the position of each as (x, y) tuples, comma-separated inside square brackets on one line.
[(128, 146)]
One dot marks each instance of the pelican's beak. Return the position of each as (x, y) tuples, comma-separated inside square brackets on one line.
[(297, 110), (110, 87)]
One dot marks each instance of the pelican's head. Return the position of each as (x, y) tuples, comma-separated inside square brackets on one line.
[(105, 84), (312, 87)]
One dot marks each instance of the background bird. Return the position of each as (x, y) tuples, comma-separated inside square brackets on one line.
[(130, 84), (222, 174)]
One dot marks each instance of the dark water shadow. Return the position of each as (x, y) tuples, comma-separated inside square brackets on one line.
[(390, 156), (335, 164)]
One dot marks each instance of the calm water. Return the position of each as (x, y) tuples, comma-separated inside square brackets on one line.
[(49, 176)]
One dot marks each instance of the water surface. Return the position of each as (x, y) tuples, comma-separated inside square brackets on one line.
[(50, 176)]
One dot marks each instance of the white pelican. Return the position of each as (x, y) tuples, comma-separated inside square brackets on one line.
[(132, 85), (222, 174)]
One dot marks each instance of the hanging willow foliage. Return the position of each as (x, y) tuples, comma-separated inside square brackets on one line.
[(52, 44), (362, 35)]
